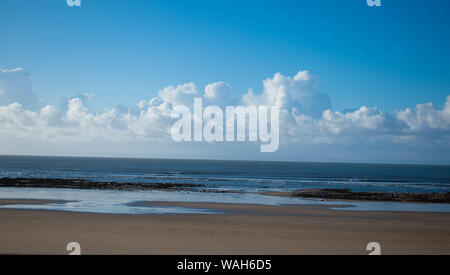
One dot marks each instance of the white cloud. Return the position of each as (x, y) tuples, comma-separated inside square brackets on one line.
[(426, 118), (305, 113), (180, 95), (219, 94), (299, 94), (16, 86)]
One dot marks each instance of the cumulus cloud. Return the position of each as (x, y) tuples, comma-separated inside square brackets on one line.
[(305, 113), (219, 94), (16, 86), (180, 95), (298, 94), (425, 118)]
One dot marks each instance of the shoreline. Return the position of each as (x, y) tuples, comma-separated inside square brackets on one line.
[(4, 202), (82, 184), (347, 195), (327, 194), (244, 229)]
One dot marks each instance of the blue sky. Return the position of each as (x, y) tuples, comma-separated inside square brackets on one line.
[(122, 51), (388, 58)]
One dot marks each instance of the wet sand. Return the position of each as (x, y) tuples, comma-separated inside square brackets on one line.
[(26, 202), (245, 229)]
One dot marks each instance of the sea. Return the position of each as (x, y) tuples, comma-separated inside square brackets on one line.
[(221, 182)]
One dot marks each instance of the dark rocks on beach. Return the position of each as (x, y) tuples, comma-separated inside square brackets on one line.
[(330, 194), (85, 184), (345, 194)]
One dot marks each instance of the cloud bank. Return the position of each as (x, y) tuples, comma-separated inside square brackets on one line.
[(306, 115)]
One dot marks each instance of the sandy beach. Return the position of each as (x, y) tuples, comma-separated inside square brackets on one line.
[(245, 229)]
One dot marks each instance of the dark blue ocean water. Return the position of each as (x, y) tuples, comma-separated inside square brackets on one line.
[(247, 176)]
